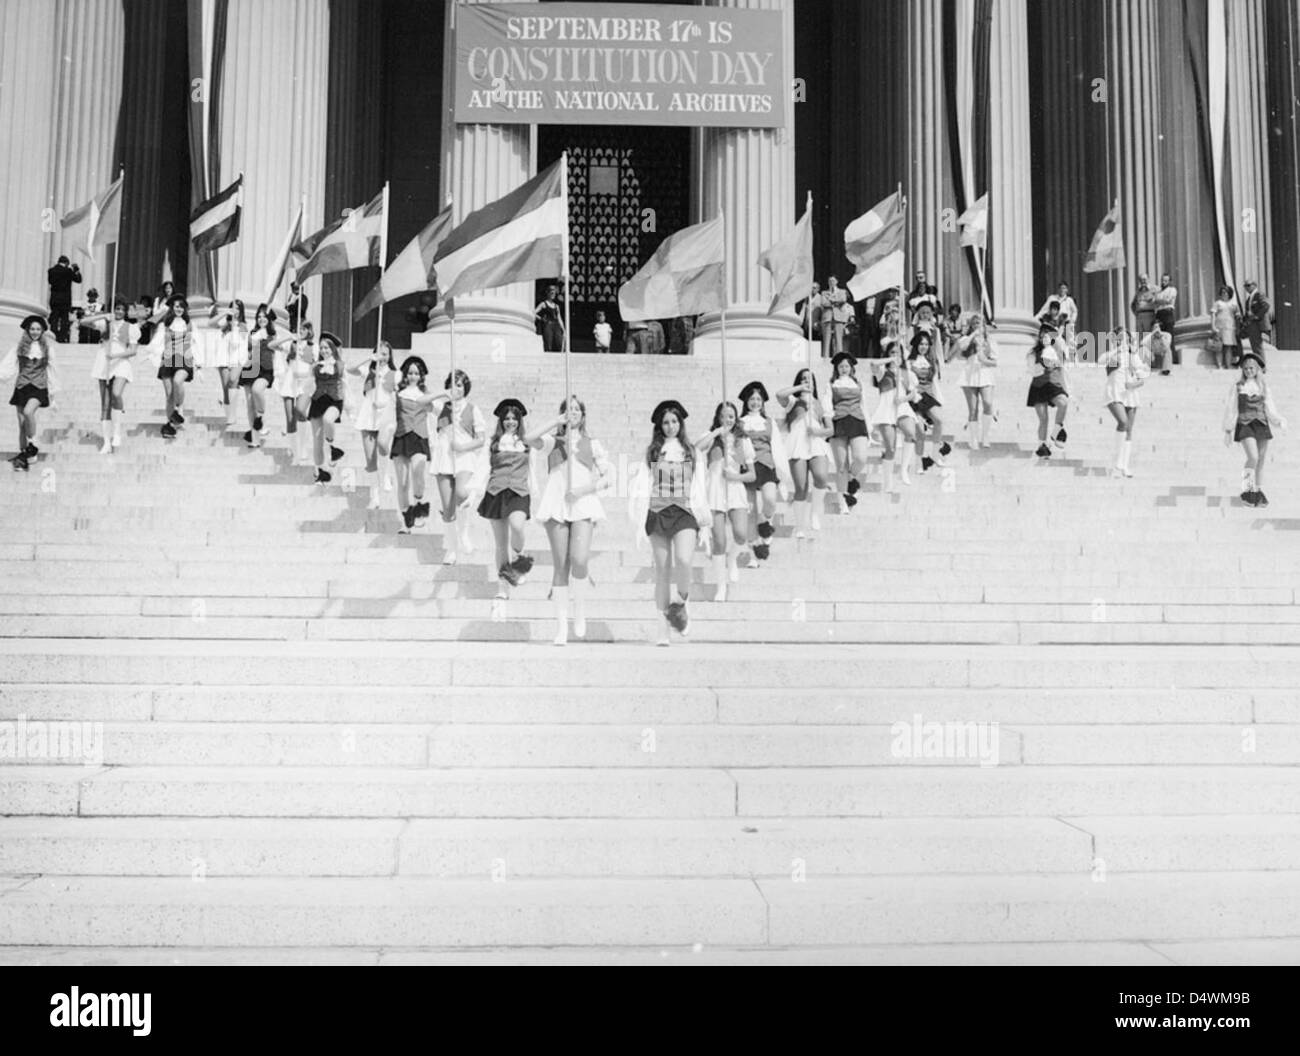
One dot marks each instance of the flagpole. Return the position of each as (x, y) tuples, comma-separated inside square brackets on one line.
[(383, 263), (902, 305), (564, 278), (112, 289), (722, 217)]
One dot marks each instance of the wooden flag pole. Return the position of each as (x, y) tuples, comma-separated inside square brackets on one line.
[(722, 216), (383, 263)]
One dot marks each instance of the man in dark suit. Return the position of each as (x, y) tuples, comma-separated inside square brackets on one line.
[(61, 278), (1256, 318), (923, 293), (296, 306)]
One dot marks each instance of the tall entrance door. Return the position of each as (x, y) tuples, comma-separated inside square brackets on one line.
[(629, 188)]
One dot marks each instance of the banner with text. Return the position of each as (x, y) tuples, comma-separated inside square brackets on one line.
[(655, 64)]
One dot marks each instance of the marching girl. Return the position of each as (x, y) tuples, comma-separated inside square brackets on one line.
[(462, 432), (1047, 388), (177, 366), (849, 439), (112, 369), (805, 443), (977, 377), (507, 500), (295, 382), (29, 364), (926, 399), (770, 465), (1247, 418), (893, 415), (570, 510), (258, 373), (326, 407), (375, 419), (229, 348), (1126, 373), (411, 442), (673, 487), (729, 459)]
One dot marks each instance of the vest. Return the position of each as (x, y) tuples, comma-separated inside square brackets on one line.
[(509, 472), (1250, 407), (560, 452), (846, 401), (265, 354), (176, 348), (412, 418), (32, 371), (330, 385), (670, 485), (466, 417), (762, 441)]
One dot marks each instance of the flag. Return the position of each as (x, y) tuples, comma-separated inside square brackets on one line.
[(874, 245), (276, 275), (102, 216), (974, 222), (412, 269), (352, 241), (215, 223), (684, 277), (520, 236), (1107, 250), (791, 263)]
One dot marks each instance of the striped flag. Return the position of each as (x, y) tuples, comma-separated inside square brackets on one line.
[(276, 275), (102, 217), (412, 270), (1107, 250), (215, 223), (684, 277), (791, 263), (520, 236), (874, 245), (352, 241)]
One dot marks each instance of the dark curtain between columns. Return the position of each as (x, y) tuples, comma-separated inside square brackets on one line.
[(383, 122), (1283, 86), (1069, 163), (851, 128), (151, 143)]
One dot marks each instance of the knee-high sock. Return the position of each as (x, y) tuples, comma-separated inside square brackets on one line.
[(560, 596), (1126, 452), (986, 423), (578, 593), (720, 576), (1119, 450)]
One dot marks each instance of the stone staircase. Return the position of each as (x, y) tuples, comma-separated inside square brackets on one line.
[(1019, 712)]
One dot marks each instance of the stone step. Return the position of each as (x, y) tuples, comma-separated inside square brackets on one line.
[(880, 791), (424, 912), (559, 707)]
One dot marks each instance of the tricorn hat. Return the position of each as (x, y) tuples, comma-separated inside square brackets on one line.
[(668, 405)]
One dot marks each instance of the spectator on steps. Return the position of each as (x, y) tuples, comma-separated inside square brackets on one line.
[(1166, 302), (1224, 319), (1247, 419), (1257, 319), (1144, 306), (61, 277)]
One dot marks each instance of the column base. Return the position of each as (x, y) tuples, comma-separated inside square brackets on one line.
[(14, 308), (1016, 331), (1191, 337), (750, 321)]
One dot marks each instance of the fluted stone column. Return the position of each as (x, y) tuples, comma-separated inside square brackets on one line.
[(1133, 109), (28, 79), (481, 163), (272, 129), (927, 149), (1250, 222), (1011, 217), (91, 35), (748, 176)]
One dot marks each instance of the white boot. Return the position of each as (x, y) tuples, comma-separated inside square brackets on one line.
[(106, 427), (986, 423), (802, 510), (720, 576), (975, 434), (818, 504), (733, 563), (908, 451), (578, 592), (116, 417), (467, 531), (665, 630), (1118, 469), (451, 556), (1125, 456), (372, 476), (560, 595), (887, 476)]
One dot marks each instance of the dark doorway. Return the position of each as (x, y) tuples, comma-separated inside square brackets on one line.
[(629, 189)]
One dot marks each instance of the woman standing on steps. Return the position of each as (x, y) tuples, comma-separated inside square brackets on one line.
[(570, 507), (326, 406), (230, 347), (1247, 419), (806, 430), (411, 442), (112, 369), (258, 372), (849, 439), (1126, 373), (979, 363), (729, 457), (894, 415), (30, 366), (507, 501), (926, 400), (461, 436), (771, 467), (177, 367), (375, 418), (1047, 387), (295, 383)]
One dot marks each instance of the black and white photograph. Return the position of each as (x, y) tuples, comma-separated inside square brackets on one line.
[(726, 483)]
